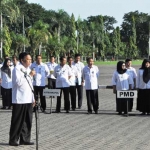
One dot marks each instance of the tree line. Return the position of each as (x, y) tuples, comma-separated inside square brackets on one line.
[(30, 27)]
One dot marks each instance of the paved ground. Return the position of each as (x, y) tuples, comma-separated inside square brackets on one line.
[(79, 131)]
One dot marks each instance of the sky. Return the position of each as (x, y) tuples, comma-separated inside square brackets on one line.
[(86, 8)]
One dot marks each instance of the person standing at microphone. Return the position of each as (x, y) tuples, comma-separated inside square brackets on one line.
[(42, 72), (23, 101)]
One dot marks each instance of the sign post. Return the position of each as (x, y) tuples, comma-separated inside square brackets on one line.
[(126, 95), (51, 93)]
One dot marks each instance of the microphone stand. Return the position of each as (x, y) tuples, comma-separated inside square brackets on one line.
[(37, 121), (36, 112)]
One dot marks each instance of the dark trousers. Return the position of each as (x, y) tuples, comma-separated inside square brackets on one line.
[(51, 83), (92, 99), (21, 123), (6, 97), (66, 99), (80, 94), (73, 96), (39, 90), (131, 104)]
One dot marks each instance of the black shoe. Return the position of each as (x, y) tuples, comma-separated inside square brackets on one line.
[(143, 113), (9, 107), (13, 143), (3, 107), (73, 109), (89, 112), (67, 111), (26, 143), (57, 111), (79, 107), (96, 112), (119, 113)]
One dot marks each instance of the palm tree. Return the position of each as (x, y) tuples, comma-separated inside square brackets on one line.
[(18, 41), (38, 36)]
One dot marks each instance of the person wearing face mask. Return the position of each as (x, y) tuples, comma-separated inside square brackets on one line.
[(6, 83), (42, 72), (90, 76), (121, 80), (143, 87)]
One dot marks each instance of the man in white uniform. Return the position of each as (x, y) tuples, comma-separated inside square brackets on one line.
[(63, 73), (133, 74), (72, 81), (90, 76), (42, 72), (22, 100), (79, 83), (51, 79)]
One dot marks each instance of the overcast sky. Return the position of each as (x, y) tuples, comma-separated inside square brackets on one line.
[(85, 8)]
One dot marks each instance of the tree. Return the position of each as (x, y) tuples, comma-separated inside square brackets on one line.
[(7, 41), (18, 41), (38, 35)]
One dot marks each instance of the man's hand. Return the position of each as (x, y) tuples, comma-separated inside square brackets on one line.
[(32, 73), (33, 104)]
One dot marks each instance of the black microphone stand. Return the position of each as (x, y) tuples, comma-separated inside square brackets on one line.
[(37, 121), (36, 113)]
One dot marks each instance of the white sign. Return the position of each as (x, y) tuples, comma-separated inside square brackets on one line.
[(127, 94), (51, 92)]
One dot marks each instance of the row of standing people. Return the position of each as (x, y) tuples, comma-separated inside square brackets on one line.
[(126, 78), (69, 78)]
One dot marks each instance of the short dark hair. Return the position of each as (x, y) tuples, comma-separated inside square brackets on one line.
[(61, 58), (23, 55), (52, 56), (128, 59), (38, 56), (15, 57), (69, 58), (87, 60), (77, 55)]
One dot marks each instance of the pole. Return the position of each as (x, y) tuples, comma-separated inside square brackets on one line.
[(1, 37), (23, 32)]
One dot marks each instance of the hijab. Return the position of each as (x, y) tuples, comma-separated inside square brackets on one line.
[(146, 73), (5, 68), (119, 67)]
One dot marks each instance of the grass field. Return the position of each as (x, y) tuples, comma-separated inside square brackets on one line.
[(134, 62)]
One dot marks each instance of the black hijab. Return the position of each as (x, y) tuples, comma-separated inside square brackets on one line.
[(146, 73), (119, 67), (5, 68)]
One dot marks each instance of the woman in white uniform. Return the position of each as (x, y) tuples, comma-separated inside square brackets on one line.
[(121, 80), (143, 86), (6, 83)]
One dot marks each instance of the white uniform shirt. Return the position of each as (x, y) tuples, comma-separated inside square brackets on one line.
[(80, 67), (51, 67), (6, 80), (42, 72), (74, 71), (139, 81), (90, 75), (62, 76), (21, 91), (133, 74), (122, 81)]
